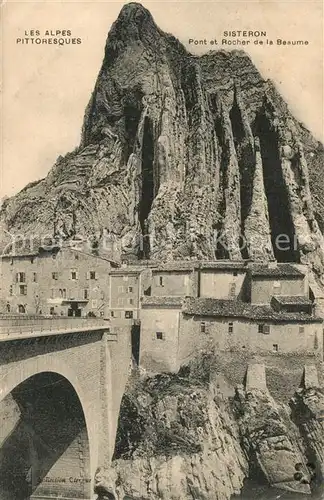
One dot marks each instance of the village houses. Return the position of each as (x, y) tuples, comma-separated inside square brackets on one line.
[(170, 310), (55, 280)]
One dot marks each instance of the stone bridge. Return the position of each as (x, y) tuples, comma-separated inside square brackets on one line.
[(62, 381)]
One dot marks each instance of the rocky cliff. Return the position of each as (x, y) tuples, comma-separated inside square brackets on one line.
[(187, 436), (177, 150)]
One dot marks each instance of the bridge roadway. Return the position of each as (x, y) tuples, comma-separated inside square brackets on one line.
[(61, 384)]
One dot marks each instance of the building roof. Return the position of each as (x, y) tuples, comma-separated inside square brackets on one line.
[(278, 271), (98, 256), (161, 301), (291, 299), (174, 266), (32, 247), (22, 247), (224, 265), (239, 309), (122, 271)]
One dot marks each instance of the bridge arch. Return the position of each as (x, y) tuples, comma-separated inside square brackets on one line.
[(21, 372)]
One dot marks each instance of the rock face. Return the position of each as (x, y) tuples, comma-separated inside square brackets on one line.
[(178, 149), (175, 441), (184, 437)]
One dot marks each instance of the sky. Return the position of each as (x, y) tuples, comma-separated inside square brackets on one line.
[(45, 88)]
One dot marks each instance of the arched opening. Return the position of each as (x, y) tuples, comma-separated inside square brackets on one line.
[(44, 444), (21, 309)]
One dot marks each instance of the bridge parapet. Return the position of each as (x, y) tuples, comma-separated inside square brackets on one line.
[(35, 325)]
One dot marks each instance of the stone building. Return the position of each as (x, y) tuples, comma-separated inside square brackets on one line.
[(127, 285), (174, 329), (270, 313), (264, 282), (199, 279), (55, 280)]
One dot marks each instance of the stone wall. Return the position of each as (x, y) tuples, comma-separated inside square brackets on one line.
[(263, 289), (159, 354), (221, 284), (243, 335)]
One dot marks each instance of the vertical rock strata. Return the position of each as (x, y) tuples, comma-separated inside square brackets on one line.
[(177, 150), (192, 435)]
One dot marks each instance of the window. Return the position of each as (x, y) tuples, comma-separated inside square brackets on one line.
[(52, 310), (21, 309), (76, 256), (55, 276), (8, 307), (53, 256), (22, 290), (120, 301), (94, 304), (21, 277), (230, 327), (275, 347), (86, 293), (34, 277), (232, 291), (93, 275), (32, 260), (10, 290), (131, 302), (52, 293), (112, 314), (203, 327), (64, 293), (129, 314), (74, 274), (265, 329), (120, 289), (130, 289), (160, 336), (301, 329), (235, 273), (161, 280)]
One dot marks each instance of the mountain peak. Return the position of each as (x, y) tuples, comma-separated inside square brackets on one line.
[(134, 10), (177, 148), (134, 24)]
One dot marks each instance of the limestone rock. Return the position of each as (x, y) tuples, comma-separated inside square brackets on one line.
[(308, 414), (168, 157)]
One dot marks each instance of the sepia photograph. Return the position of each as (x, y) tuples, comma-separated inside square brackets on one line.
[(162, 250)]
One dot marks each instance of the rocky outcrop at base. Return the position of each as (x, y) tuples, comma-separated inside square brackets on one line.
[(180, 437), (308, 414), (174, 442)]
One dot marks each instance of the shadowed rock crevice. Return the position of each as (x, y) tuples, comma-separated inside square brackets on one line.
[(132, 113), (147, 188), (246, 161), (276, 193)]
